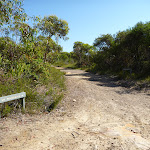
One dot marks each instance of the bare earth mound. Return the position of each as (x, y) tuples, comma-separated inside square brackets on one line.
[(96, 114)]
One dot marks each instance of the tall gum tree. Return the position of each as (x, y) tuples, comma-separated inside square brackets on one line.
[(11, 10), (81, 50), (52, 26)]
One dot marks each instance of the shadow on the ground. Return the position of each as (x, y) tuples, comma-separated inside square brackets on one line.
[(106, 81)]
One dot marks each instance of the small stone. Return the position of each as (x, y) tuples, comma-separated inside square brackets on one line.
[(74, 100)]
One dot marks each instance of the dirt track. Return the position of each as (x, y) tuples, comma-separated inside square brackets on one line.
[(96, 114)]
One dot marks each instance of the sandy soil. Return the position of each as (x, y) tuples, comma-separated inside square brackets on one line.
[(96, 114)]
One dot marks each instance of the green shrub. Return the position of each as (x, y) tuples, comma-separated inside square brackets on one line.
[(51, 78)]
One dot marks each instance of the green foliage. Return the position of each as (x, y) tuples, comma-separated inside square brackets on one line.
[(80, 58), (127, 49), (24, 65), (17, 85), (64, 59), (11, 10), (6, 110), (50, 77), (53, 26), (147, 79), (104, 42), (83, 53)]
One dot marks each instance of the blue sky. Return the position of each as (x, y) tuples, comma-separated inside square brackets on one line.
[(88, 19)]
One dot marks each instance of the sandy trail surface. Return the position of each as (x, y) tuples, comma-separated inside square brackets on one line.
[(96, 114)]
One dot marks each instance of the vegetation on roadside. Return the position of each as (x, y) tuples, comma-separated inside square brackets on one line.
[(125, 54), (26, 54), (80, 58)]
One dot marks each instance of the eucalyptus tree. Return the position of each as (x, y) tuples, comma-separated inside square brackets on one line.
[(103, 42), (81, 50), (11, 10), (137, 43), (78, 51), (128, 49), (52, 26), (42, 43)]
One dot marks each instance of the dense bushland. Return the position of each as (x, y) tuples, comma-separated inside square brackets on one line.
[(65, 59), (26, 54), (81, 57), (127, 49), (125, 54)]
